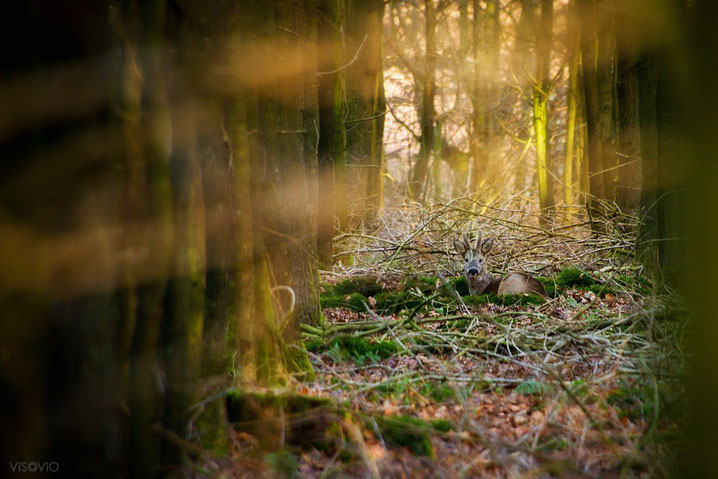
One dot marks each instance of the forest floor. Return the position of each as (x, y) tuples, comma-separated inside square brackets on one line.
[(436, 383)]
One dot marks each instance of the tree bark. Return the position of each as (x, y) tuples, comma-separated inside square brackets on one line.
[(569, 184), (647, 247), (421, 167), (478, 149), (540, 96), (605, 82), (364, 95), (184, 301), (629, 129), (288, 215), (594, 149), (332, 135)]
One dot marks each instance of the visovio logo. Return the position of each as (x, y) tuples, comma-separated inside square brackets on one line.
[(34, 466)]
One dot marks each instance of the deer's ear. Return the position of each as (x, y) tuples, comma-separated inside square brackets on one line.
[(467, 243), (459, 246), (486, 245)]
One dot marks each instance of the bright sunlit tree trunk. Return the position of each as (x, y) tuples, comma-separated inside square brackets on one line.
[(374, 193), (478, 152), (569, 185), (540, 98)]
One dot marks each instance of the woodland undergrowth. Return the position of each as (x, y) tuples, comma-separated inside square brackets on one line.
[(429, 381)]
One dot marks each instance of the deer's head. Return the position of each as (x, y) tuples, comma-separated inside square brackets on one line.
[(473, 254)]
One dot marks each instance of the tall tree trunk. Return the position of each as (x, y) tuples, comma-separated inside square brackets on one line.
[(478, 150), (522, 68), (605, 82), (629, 130), (61, 194), (492, 104), (541, 94), (156, 235), (365, 106), (374, 194), (421, 168), (581, 166), (569, 185), (647, 246), (283, 129), (332, 136), (184, 301), (594, 149)]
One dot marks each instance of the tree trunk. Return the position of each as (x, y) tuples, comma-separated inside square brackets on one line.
[(421, 168), (594, 150), (155, 196), (478, 150), (605, 82), (522, 65), (288, 218), (647, 247), (365, 106), (184, 300), (629, 130), (374, 195), (569, 185), (541, 95), (492, 165), (332, 136)]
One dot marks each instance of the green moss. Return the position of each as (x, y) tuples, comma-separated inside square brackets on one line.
[(406, 431), (518, 299), (345, 455), (394, 303), (438, 392), (426, 284), (212, 426), (573, 277), (313, 345), (633, 400), (641, 284), (476, 300), (534, 388), (354, 301), (282, 464), (394, 388), (602, 290), (298, 363), (442, 425), (367, 286), (361, 349), (461, 286), (549, 284), (553, 444)]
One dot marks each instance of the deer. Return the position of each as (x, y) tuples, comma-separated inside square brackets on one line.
[(481, 281)]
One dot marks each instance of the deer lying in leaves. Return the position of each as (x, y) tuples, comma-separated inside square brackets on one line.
[(479, 279)]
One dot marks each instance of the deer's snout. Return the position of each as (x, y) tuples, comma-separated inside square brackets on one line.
[(473, 272)]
